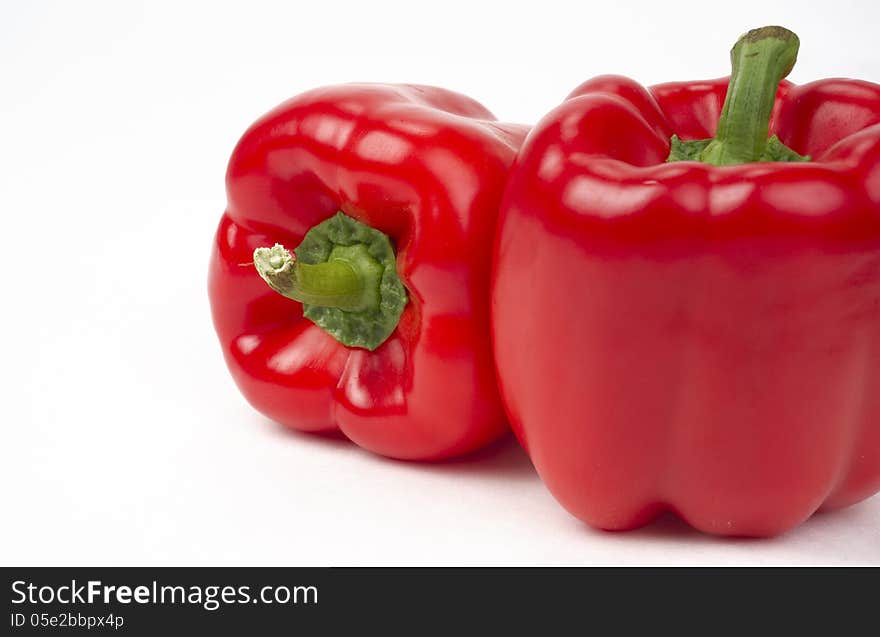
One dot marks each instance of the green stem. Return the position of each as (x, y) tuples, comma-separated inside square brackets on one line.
[(344, 273), (349, 280), (760, 60)]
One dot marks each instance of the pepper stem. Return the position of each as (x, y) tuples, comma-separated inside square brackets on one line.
[(345, 275), (349, 280), (760, 59)]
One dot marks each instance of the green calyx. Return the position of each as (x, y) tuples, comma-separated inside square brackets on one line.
[(760, 59), (345, 274)]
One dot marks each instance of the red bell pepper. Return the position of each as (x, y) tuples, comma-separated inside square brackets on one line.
[(687, 317), (377, 324)]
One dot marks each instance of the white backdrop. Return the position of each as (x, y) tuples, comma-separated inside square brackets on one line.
[(124, 441)]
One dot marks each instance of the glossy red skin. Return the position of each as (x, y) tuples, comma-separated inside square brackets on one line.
[(690, 338), (425, 166)]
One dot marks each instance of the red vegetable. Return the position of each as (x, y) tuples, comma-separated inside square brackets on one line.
[(391, 193), (701, 336)]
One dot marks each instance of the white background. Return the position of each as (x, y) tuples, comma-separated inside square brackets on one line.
[(124, 440)]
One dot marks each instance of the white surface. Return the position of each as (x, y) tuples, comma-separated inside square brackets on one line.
[(124, 440)]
